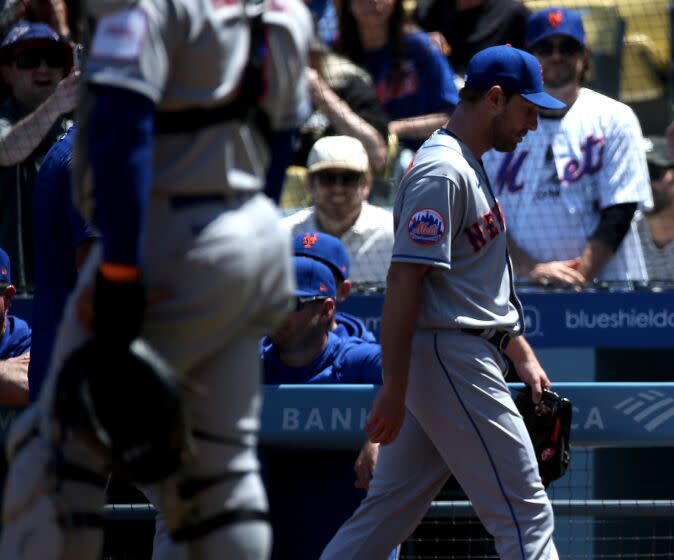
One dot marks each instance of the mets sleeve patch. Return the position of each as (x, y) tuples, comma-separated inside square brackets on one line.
[(426, 227), (120, 36)]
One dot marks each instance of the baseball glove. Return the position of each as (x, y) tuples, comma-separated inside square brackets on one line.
[(549, 426)]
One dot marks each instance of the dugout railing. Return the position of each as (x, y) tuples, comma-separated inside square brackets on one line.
[(606, 415)]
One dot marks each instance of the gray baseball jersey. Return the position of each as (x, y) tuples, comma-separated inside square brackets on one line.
[(184, 54), (445, 216), (460, 418)]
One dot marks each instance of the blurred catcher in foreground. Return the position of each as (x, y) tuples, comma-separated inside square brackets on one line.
[(177, 132)]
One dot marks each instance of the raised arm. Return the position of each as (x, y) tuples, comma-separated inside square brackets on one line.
[(21, 140), (346, 120)]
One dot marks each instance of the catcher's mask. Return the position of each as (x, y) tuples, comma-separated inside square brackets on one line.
[(126, 403)]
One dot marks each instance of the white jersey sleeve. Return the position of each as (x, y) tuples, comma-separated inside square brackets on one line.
[(624, 175)]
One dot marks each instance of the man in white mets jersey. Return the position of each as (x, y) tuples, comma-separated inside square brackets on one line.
[(450, 312), (570, 189), (185, 101)]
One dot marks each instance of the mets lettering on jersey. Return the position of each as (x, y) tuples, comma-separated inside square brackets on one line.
[(554, 185), (591, 161), (485, 228)]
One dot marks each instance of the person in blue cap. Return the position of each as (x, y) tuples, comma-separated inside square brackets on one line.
[(570, 189), (305, 350), (450, 318), (15, 341), (329, 250), (36, 65)]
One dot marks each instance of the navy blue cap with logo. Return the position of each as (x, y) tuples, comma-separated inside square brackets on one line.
[(4, 269), (30, 32), (554, 21), (323, 247), (516, 71), (314, 279)]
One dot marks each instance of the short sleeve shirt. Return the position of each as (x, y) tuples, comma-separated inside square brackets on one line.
[(445, 216)]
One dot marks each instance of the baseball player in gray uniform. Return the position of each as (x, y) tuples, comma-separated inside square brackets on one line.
[(184, 98), (449, 313)]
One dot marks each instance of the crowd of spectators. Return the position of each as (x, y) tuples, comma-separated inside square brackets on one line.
[(382, 79)]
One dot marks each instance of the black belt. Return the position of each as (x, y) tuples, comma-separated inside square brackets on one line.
[(500, 339), (179, 201)]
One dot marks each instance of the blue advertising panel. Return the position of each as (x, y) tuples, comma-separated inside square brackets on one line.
[(332, 416), (638, 319), (562, 319), (604, 414)]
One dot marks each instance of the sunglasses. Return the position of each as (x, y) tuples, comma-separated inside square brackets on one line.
[(300, 302), (566, 47), (30, 59), (345, 178)]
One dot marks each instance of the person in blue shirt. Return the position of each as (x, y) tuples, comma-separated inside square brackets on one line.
[(413, 79), (329, 250), (62, 242), (15, 342), (311, 493)]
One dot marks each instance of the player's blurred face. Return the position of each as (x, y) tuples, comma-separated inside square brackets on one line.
[(338, 194), (562, 59), (302, 327), (35, 72), (509, 127)]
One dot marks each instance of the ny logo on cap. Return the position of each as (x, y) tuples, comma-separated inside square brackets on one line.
[(309, 240), (3, 271), (555, 18)]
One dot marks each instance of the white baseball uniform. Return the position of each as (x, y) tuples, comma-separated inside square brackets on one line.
[(216, 246), (460, 418), (554, 185)]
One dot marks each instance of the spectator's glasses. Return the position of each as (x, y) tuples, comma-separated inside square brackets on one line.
[(329, 178), (300, 301), (565, 47), (30, 59)]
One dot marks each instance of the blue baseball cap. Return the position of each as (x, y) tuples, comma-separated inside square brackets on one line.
[(4, 269), (314, 279), (31, 32), (325, 248), (554, 21), (24, 30), (516, 71)]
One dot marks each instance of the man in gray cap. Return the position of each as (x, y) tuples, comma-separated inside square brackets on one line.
[(656, 228)]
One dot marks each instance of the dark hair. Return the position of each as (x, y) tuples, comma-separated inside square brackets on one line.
[(472, 95), (349, 44)]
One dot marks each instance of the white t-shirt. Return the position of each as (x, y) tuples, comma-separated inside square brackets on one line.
[(554, 185), (368, 242)]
